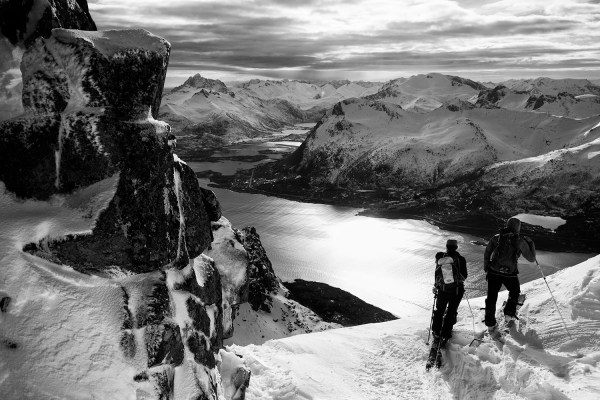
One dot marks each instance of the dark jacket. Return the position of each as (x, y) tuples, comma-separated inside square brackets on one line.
[(462, 263), (526, 249)]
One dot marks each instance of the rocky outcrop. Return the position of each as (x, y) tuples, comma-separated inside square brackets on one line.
[(90, 100), (335, 305), (88, 119), (262, 279), (199, 82)]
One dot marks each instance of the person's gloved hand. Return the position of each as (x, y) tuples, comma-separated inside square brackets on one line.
[(434, 290)]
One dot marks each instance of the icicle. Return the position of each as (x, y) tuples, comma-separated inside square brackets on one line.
[(58, 153), (177, 180)]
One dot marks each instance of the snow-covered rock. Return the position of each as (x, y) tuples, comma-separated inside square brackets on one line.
[(22, 23), (426, 92), (269, 313), (109, 293), (113, 335), (545, 98)]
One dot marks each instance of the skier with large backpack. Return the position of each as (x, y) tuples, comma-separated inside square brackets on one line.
[(449, 288), (501, 268)]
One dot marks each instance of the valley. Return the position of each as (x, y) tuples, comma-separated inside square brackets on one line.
[(455, 161)]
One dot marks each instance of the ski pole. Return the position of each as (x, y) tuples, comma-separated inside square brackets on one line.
[(473, 321), (431, 323), (555, 303)]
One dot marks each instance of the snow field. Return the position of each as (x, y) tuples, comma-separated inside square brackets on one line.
[(539, 360)]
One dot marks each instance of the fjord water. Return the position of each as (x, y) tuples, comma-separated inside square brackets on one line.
[(386, 262)]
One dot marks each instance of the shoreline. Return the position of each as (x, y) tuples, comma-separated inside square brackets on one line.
[(477, 223)]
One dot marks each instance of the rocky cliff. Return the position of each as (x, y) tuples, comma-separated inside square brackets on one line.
[(145, 256)]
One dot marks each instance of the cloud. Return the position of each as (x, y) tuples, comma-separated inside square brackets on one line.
[(285, 37)]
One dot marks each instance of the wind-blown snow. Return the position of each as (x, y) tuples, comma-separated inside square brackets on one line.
[(55, 339), (387, 360)]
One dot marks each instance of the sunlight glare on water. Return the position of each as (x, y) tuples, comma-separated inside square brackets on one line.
[(386, 262)]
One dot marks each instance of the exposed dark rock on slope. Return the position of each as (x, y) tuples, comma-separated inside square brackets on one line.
[(262, 279), (335, 305)]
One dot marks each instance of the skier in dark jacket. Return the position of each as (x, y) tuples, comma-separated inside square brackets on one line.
[(500, 265), (448, 298)]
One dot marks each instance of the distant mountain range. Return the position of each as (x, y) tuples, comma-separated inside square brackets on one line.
[(435, 142), (206, 112)]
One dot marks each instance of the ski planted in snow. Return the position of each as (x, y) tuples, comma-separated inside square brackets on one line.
[(435, 356)]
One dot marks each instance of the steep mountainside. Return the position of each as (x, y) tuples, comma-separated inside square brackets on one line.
[(203, 117), (423, 93), (369, 144)]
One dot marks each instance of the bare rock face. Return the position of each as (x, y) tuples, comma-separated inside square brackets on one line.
[(90, 117), (262, 279)]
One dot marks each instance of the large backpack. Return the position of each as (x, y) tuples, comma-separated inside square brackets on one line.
[(506, 253), (447, 273)]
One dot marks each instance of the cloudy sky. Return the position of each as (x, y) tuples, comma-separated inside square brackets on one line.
[(367, 39)]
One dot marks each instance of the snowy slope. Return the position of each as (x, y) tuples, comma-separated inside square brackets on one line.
[(422, 93), (69, 335), (286, 318), (226, 117), (386, 361), (366, 143)]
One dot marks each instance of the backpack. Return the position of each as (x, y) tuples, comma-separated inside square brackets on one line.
[(447, 273), (504, 257)]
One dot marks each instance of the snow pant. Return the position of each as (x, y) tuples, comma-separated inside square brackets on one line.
[(446, 311), (495, 282)]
